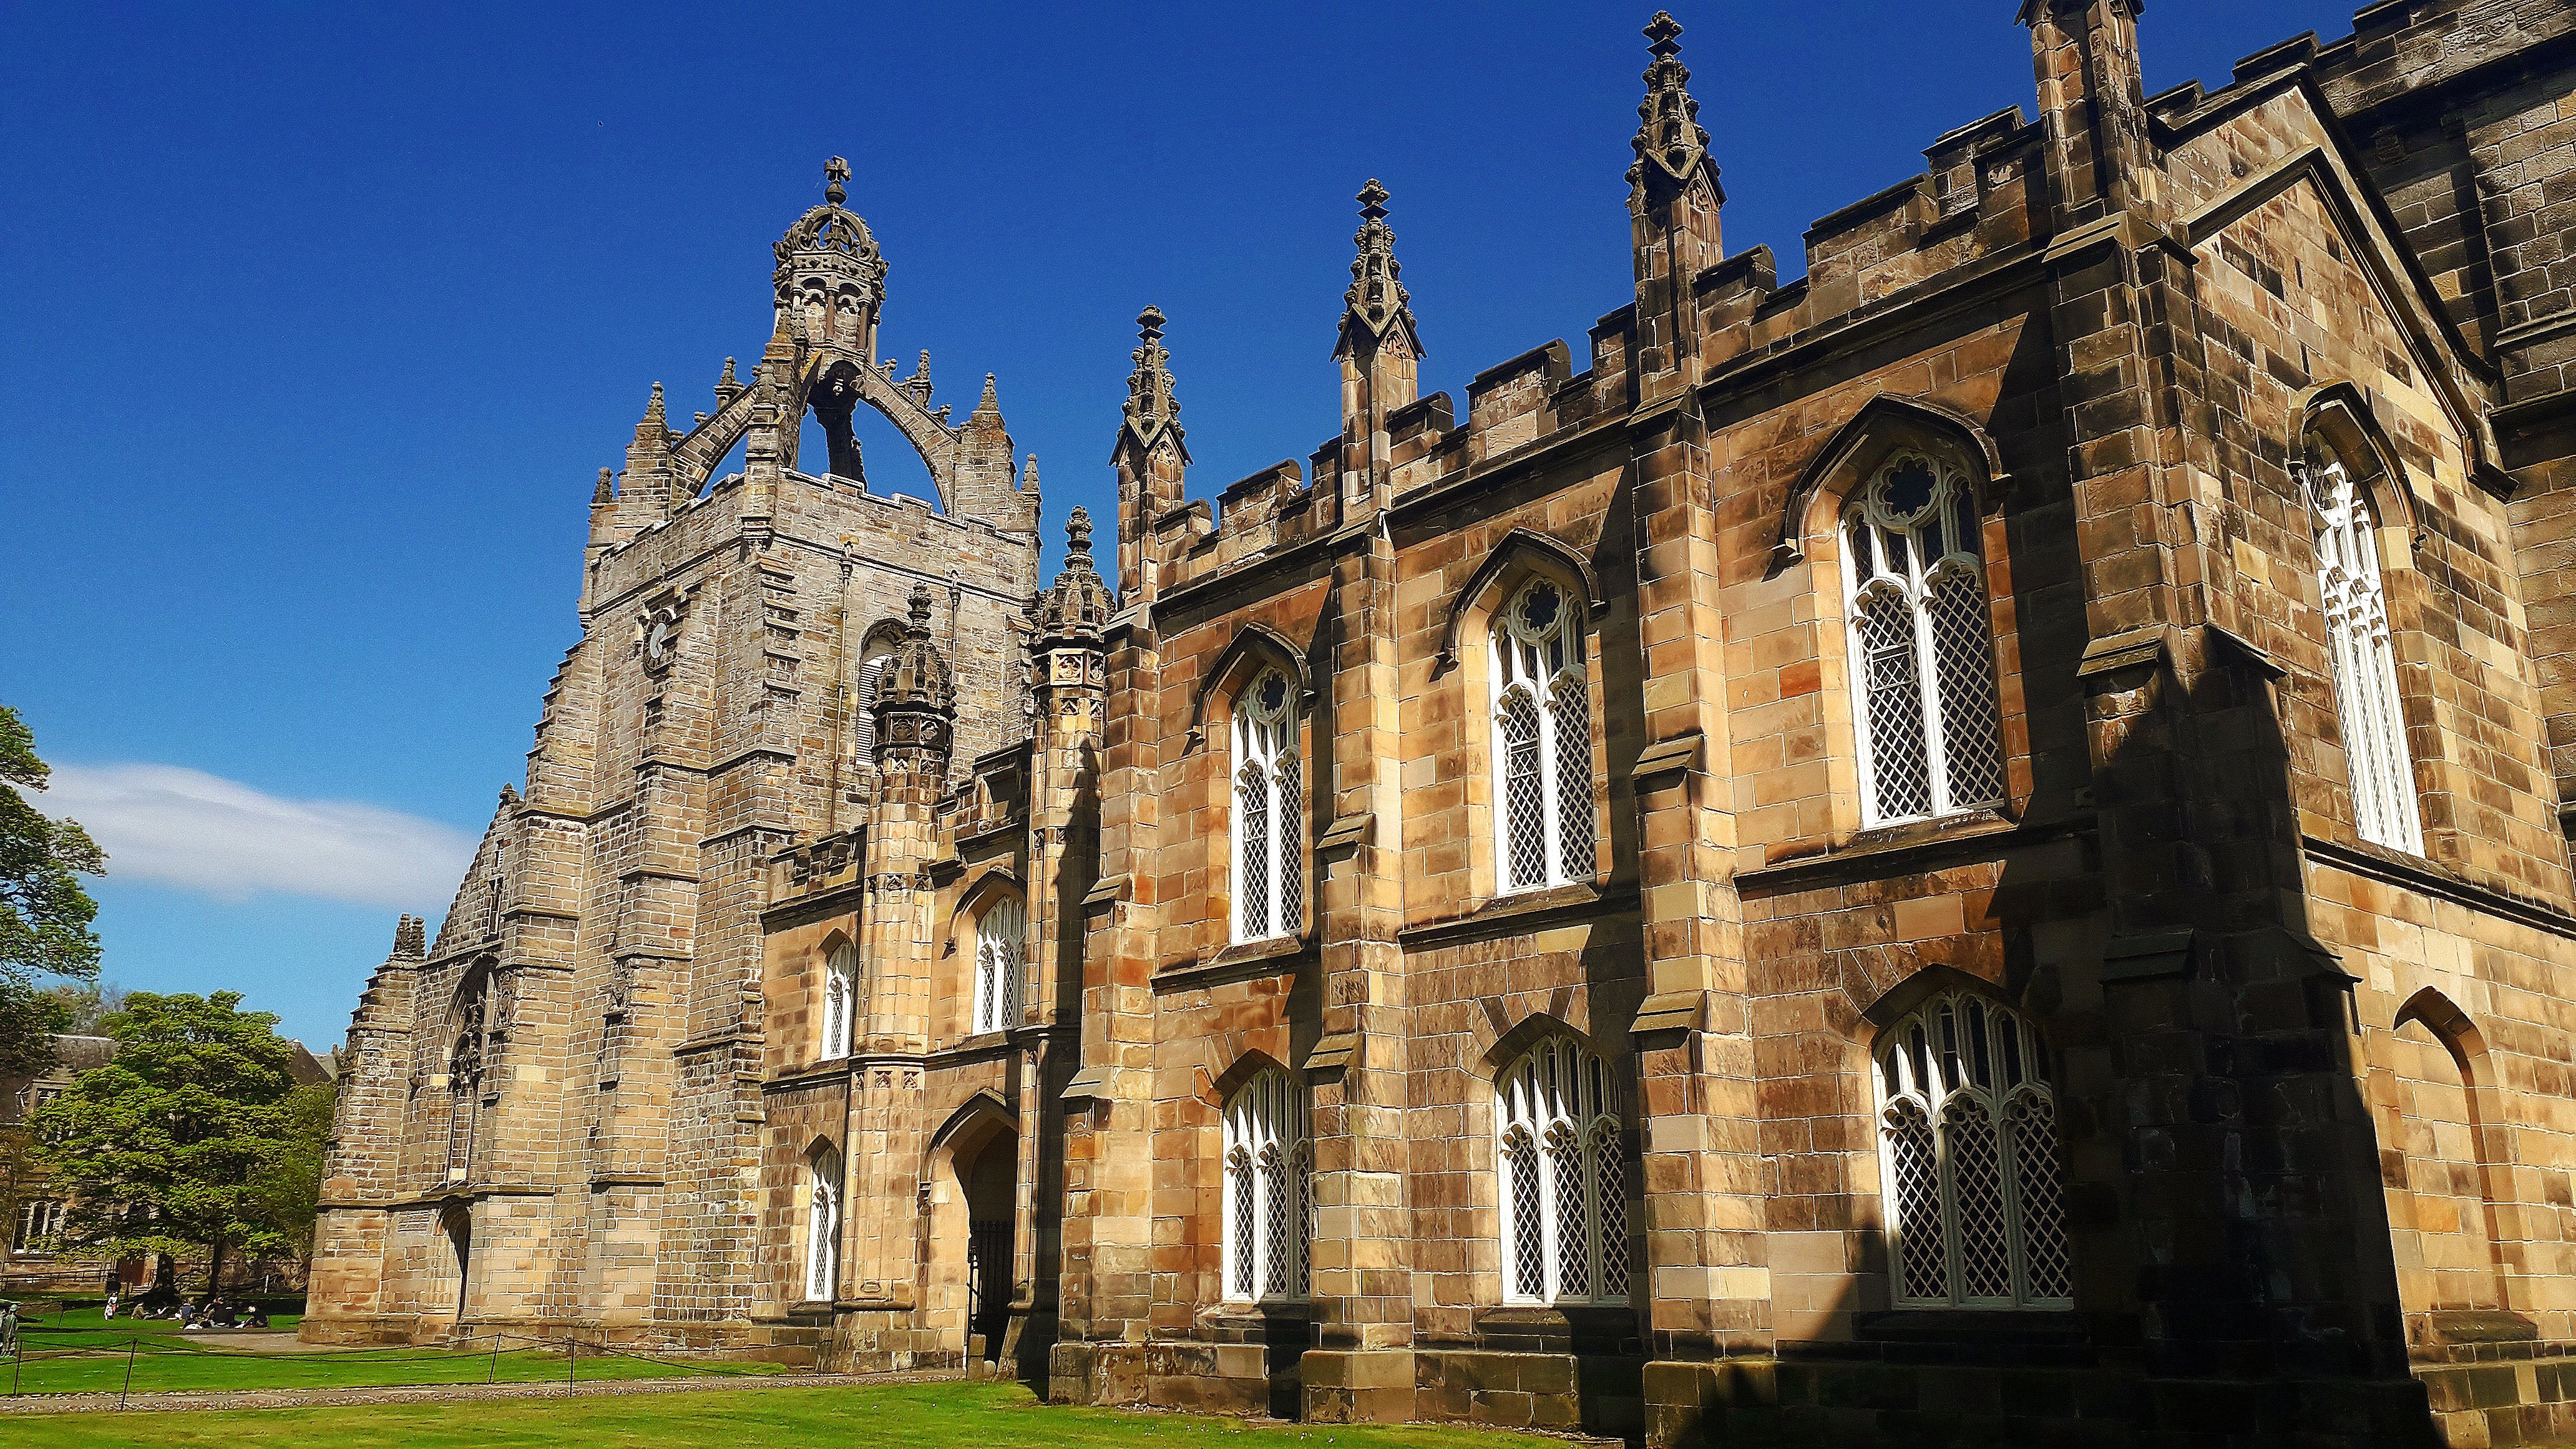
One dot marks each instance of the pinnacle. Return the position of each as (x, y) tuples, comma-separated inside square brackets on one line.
[(1077, 537), (1372, 200), (1663, 35), (1149, 323), (1029, 475), (606, 492), (653, 410), (919, 608), (989, 404)]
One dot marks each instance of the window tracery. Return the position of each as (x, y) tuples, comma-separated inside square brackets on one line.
[(1925, 705), (1564, 1178), (2365, 666), (1000, 945), (1269, 1191), (1269, 801), (1542, 710)]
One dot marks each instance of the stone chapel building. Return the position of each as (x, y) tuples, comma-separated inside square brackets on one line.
[(1975, 841)]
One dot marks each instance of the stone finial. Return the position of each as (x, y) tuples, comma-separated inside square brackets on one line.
[(653, 410), (509, 795), (1078, 607), (836, 177), (988, 403), (727, 387), (411, 939), (606, 492), (1029, 475), (1152, 408), (918, 606), (1375, 305), (1669, 137)]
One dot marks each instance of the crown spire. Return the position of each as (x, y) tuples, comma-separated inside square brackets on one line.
[(1079, 605), (1375, 306), (1669, 138), (1152, 409)]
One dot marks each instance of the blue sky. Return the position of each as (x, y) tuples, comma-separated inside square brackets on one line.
[(317, 324)]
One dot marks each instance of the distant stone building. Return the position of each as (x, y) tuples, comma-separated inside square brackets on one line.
[(40, 1259), (1975, 840)]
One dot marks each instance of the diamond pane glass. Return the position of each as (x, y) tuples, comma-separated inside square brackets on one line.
[(1575, 825), (1573, 1244), (1898, 764), (1292, 851), (1967, 678), (1253, 839), (1610, 1196), (1524, 800), (1244, 1211), (1924, 1264), (1529, 1252), (1977, 1186), (2041, 1196), (1274, 1214)]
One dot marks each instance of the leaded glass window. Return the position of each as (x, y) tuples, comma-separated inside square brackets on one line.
[(823, 1227), (2365, 666), (1269, 810), (999, 948), (1968, 1156), (1546, 830), (1565, 1194), (1269, 1190), (840, 987), (1922, 645)]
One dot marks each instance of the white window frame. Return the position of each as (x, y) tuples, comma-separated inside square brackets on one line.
[(823, 1227), (1967, 1142), (1001, 948), (1266, 788), (1565, 1223), (2363, 655), (1949, 712), (1541, 701), (1269, 1198), (40, 1222), (840, 997), (863, 718)]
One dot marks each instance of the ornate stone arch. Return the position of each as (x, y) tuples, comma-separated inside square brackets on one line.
[(1254, 645), (1520, 550), (2336, 424), (1899, 1000), (993, 883), (1882, 424), (2456, 1032), (985, 1107), (1514, 1042), (1247, 1064)]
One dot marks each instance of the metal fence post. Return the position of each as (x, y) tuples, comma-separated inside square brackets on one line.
[(572, 1355), (121, 1394)]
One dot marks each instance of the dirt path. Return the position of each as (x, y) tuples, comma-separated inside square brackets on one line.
[(436, 1393)]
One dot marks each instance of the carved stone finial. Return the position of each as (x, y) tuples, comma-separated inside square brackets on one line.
[(919, 608), (410, 939), (726, 384), (653, 410), (1078, 607), (1375, 305), (1029, 475), (509, 795), (1077, 534), (1669, 136), (836, 176), (988, 403), (606, 492), (1152, 408)]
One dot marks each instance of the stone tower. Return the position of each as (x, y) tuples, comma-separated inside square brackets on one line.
[(554, 1121)]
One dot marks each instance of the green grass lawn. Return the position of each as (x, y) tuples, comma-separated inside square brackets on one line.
[(79, 1353), (916, 1416)]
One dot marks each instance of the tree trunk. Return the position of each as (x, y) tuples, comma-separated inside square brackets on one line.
[(215, 1268)]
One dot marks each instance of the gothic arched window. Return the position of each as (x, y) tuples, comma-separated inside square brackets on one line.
[(1968, 1153), (2365, 667), (1269, 811), (1542, 706), (469, 1027), (1269, 1190), (823, 1227), (840, 993), (999, 948), (1564, 1178), (1922, 646)]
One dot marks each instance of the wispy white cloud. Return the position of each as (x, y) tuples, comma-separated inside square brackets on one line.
[(202, 832)]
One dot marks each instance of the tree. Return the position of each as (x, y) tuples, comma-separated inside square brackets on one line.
[(288, 1187), (45, 916), (170, 1147)]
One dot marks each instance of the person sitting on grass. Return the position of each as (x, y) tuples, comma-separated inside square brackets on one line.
[(257, 1317)]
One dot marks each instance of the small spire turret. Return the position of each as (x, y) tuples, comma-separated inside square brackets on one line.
[(1670, 139), (1152, 409), (606, 492)]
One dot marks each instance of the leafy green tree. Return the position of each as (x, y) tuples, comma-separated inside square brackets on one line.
[(45, 916), (168, 1148), (289, 1186)]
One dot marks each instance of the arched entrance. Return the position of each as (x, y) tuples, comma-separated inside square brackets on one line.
[(457, 1226), (990, 1181)]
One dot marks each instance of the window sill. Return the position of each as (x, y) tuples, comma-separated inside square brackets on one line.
[(1278, 1321), (1239, 962), (1523, 911), (2433, 878), (1904, 849), (1559, 1328)]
